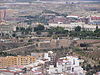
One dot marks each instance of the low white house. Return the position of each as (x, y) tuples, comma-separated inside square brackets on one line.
[(68, 65)]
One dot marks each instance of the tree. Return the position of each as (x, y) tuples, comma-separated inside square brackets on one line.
[(65, 32), (14, 35), (28, 30), (74, 34), (96, 27), (17, 28), (30, 40), (38, 32), (22, 29), (78, 28), (64, 14), (88, 67), (97, 32), (39, 28), (58, 30)]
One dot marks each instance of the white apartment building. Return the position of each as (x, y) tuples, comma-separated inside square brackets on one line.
[(72, 26), (68, 65), (7, 28)]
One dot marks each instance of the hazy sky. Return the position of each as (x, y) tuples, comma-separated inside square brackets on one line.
[(54, 0)]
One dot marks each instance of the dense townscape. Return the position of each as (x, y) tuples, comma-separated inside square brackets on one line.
[(49, 37)]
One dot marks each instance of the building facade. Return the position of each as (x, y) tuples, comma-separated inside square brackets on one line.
[(7, 28), (71, 26), (15, 60)]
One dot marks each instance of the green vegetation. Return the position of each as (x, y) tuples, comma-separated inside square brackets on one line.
[(57, 31), (60, 31), (91, 69), (6, 54), (53, 12), (40, 18), (23, 30), (36, 18), (39, 28), (78, 29), (90, 64), (85, 34)]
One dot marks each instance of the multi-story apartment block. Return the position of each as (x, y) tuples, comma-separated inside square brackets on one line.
[(15, 60)]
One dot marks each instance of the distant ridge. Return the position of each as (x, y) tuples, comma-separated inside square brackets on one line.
[(54, 0), (41, 0)]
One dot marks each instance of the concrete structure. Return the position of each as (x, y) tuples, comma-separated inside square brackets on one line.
[(24, 25), (6, 28), (10, 72), (50, 64), (95, 20), (69, 65), (2, 13), (15, 60), (54, 43), (71, 16), (66, 65), (72, 26)]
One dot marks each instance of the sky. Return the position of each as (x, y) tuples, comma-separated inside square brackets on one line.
[(56, 0)]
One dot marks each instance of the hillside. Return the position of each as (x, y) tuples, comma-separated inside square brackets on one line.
[(41, 0)]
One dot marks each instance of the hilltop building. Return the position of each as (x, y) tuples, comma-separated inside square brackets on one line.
[(6, 28)]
